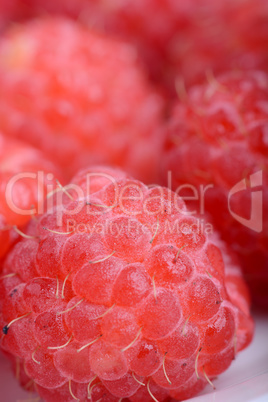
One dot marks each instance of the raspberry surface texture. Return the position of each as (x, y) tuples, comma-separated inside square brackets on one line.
[(217, 137), (81, 99), (25, 174), (120, 294)]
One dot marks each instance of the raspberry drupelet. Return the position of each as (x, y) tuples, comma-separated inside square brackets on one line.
[(217, 137), (25, 176), (81, 99), (119, 294)]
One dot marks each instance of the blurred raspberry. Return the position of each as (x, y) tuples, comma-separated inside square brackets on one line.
[(176, 39), (82, 98), (25, 178), (127, 297), (185, 39), (217, 137)]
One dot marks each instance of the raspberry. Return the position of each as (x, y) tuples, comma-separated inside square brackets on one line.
[(217, 138), (179, 39), (26, 192), (85, 103), (186, 39), (103, 325)]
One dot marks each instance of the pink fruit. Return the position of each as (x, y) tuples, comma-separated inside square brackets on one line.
[(26, 176), (107, 327), (217, 138), (85, 103)]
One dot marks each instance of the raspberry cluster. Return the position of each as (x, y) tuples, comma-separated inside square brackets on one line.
[(218, 137), (20, 166), (98, 109), (112, 288), (118, 293)]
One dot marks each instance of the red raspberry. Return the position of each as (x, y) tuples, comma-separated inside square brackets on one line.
[(25, 167), (218, 136), (185, 39), (118, 303), (87, 102), (176, 38)]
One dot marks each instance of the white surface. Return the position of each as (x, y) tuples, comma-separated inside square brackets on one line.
[(246, 380)]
